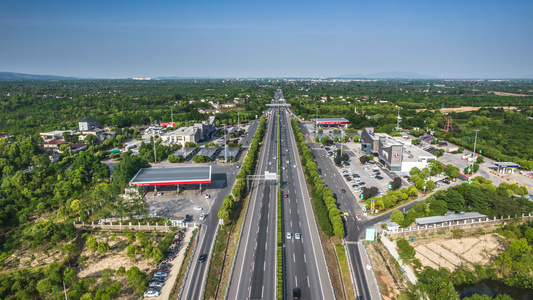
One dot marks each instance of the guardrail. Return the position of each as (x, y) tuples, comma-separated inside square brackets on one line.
[(189, 265)]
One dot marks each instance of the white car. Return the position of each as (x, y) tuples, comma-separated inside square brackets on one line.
[(207, 196), (202, 217), (159, 193), (297, 236), (289, 235), (152, 293), (197, 208)]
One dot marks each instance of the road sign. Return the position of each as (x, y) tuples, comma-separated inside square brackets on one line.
[(362, 196), (372, 206), (468, 170), (480, 151)]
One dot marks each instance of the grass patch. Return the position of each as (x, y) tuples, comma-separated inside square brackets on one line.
[(345, 270)]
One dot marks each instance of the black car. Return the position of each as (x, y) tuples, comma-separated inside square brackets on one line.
[(202, 258), (296, 293), (343, 190), (188, 218), (379, 177)]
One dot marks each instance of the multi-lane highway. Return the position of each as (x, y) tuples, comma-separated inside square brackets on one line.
[(196, 277), (254, 276), (305, 266)]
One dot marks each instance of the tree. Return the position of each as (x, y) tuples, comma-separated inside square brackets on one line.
[(127, 168), (103, 248), (397, 217), (90, 139), (396, 183), (430, 184), (364, 159), (436, 167), (455, 201), (64, 147), (157, 255), (91, 243), (137, 280)]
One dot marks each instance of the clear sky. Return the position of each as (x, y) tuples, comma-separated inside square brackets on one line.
[(225, 38)]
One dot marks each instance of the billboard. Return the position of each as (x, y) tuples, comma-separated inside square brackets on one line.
[(370, 234)]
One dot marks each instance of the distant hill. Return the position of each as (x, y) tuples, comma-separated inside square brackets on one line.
[(22, 76), (389, 75)]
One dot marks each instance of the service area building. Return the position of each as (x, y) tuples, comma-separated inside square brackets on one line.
[(330, 121), (172, 176), (450, 219)]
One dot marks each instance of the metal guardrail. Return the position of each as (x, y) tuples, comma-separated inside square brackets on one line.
[(352, 274)]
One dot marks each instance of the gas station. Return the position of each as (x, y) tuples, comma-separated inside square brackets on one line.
[(506, 167), (178, 176)]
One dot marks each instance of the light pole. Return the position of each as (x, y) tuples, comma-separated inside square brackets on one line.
[(475, 141)]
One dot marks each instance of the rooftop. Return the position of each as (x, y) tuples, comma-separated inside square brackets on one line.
[(329, 120), (57, 132), (182, 131), (506, 164), (172, 176), (89, 120), (448, 218), (413, 153)]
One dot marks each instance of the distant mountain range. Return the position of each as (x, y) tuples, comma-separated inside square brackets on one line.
[(22, 76)]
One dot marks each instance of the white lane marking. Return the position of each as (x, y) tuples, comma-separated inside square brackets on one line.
[(289, 211), (308, 282), (264, 266), (267, 229), (294, 257), (262, 291), (266, 244), (291, 224), (298, 210), (300, 223), (357, 227), (296, 280), (305, 260)]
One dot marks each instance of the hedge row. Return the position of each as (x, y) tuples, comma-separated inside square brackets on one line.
[(328, 215)]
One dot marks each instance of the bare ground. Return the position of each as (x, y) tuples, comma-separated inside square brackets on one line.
[(452, 252), (390, 280)]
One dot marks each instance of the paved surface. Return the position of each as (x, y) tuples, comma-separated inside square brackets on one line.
[(180, 172), (194, 284), (305, 264), (254, 276)]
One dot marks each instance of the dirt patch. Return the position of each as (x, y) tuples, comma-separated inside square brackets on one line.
[(468, 108), (390, 279), (453, 252), (508, 94)]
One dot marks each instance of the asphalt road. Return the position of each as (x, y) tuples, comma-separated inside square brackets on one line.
[(305, 266), (254, 276), (193, 288)]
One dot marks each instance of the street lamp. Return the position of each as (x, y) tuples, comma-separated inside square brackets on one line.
[(475, 141)]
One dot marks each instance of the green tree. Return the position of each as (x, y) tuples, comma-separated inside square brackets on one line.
[(91, 243), (157, 255), (103, 248), (397, 217)]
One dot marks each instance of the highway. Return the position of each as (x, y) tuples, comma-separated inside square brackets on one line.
[(254, 276), (194, 282), (305, 266)]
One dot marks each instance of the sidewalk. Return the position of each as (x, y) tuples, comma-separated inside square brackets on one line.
[(391, 247), (176, 264)]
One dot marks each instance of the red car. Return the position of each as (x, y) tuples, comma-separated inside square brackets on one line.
[(285, 196)]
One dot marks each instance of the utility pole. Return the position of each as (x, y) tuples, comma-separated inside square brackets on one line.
[(155, 154), (65, 289), (475, 141), (225, 144)]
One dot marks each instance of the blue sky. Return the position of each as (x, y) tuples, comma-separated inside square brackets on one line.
[(120, 39)]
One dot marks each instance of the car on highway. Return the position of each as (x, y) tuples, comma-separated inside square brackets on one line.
[(296, 293), (207, 196), (343, 190), (202, 217), (197, 208), (202, 258), (297, 236), (358, 216), (152, 293), (285, 196), (289, 235)]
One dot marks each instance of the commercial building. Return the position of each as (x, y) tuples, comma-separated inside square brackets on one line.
[(449, 219), (88, 124), (182, 135), (187, 152), (55, 135), (396, 153), (330, 121)]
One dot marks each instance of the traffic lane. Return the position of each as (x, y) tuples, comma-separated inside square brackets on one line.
[(359, 271), (317, 287)]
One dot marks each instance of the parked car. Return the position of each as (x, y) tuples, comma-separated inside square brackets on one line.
[(161, 274), (152, 293), (159, 193), (156, 284), (379, 177), (202, 217), (158, 278)]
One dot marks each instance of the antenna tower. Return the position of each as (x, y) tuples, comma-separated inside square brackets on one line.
[(448, 125)]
